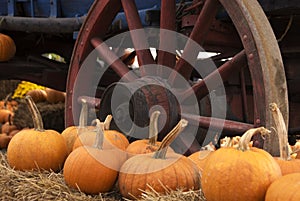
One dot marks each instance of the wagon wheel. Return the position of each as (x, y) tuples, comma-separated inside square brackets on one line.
[(253, 48)]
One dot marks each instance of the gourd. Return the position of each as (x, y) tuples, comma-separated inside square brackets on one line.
[(38, 95), (93, 169), (5, 115), (200, 157), (71, 133), (285, 188), (287, 164), (113, 137), (37, 148), (242, 173), (144, 146), (159, 171), (7, 47), (55, 96)]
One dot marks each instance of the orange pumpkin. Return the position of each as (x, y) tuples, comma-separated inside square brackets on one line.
[(7, 47), (36, 148), (55, 96), (5, 115), (71, 133), (242, 173), (285, 188), (200, 157), (38, 95), (113, 138), (287, 164), (4, 140), (93, 169), (159, 171), (150, 145)]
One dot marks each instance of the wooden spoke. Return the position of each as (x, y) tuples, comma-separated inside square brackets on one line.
[(138, 38), (167, 39), (225, 70), (231, 128), (198, 35), (111, 58)]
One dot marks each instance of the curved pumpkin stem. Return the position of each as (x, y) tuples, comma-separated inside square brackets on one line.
[(83, 114), (99, 135), (153, 130), (246, 137), (107, 121), (35, 113), (168, 139), (280, 129)]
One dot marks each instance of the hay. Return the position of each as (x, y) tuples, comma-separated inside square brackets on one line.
[(44, 185)]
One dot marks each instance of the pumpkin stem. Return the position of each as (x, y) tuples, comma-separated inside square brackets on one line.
[(169, 138), (83, 114), (246, 137), (99, 135), (153, 130), (107, 121), (280, 129), (35, 113), (6, 100)]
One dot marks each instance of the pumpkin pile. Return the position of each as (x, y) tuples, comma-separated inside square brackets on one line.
[(101, 163), (7, 129)]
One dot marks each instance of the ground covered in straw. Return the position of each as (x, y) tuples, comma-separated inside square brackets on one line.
[(35, 185)]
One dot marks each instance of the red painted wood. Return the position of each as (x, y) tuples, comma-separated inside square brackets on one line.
[(110, 57), (225, 70), (231, 128), (167, 39), (199, 33), (139, 40)]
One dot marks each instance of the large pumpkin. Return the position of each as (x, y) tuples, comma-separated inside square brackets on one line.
[(7, 47), (159, 171), (242, 173), (200, 157), (37, 148), (93, 169), (285, 188), (287, 164)]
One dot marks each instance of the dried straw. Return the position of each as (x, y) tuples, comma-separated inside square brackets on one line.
[(44, 185)]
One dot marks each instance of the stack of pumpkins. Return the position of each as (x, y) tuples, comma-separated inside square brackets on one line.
[(242, 172), (104, 156), (7, 129), (100, 158)]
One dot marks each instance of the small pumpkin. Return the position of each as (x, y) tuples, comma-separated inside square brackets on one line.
[(150, 145), (38, 95), (285, 188), (7, 47), (242, 173), (4, 140), (55, 96), (114, 138), (93, 169), (159, 171), (36, 148), (8, 127), (287, 164), (5, 115), (71, 133)]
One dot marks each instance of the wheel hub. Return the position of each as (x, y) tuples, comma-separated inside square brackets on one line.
[(131, 104)]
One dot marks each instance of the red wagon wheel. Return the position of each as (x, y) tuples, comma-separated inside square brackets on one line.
[(248, 60)]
